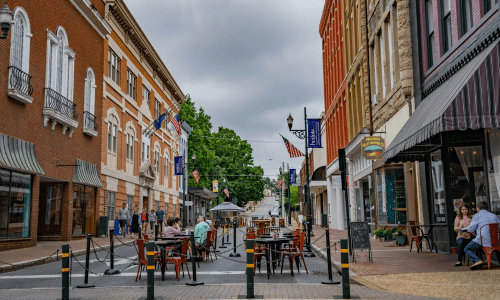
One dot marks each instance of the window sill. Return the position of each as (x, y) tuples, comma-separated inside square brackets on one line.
[(57, 117), (90, 131), (21, 97)]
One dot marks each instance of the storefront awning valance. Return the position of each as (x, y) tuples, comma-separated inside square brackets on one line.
[(470, 99), (86, 174), (18, 154)]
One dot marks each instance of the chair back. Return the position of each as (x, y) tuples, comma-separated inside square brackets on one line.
[(209, 238), (214, 234), (493, 234), (411, 231), (146, 237), (250, 229), (140, 249), (251, 235), (260, 231), (302, 240), (184, 246)]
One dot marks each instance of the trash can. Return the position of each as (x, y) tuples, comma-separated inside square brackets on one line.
[(324, 220), (103, 226)]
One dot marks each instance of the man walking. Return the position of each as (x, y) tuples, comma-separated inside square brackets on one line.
[(123, 216), (483, 217), (159, 218)]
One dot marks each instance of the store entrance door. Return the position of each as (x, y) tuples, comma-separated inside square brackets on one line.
[(477, 186)]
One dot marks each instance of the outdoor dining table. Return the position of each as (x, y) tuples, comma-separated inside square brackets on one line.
[(163, 244), (272, 256), (429, 234)]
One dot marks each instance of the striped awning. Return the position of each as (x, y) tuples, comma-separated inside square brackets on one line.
[(18, 154), (470, 99), (86, 174)]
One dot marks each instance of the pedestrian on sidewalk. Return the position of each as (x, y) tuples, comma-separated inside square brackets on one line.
[(159, 217), (463, 219), (483, 217), (144, 220), (123, 216), (134, 222), (152, 220)]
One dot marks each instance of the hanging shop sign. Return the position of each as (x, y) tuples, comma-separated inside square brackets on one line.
[(215, 186), (372, 147), (293, 175)]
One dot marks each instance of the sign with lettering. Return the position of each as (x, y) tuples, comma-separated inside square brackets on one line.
[(293, 175), (360, 235), (314, 133), (215, 186), (372, 147), (179, 165)]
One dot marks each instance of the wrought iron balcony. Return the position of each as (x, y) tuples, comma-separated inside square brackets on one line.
[(20, 87), (61, 110), (89, 124)]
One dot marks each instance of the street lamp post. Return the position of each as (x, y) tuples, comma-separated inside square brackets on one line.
[(289, 195), (302, 134), (5, 21)]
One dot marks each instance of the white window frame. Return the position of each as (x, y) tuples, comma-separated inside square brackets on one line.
[(131, 84), (382, 60), (90, 83), (20, 11), (146, 94), (68, 63), (130, 147), (111, 204), (112, 137), (114, 66)]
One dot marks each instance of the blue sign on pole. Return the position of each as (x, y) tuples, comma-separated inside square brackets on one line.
[(314, 133), (293, 175), (179, 165)]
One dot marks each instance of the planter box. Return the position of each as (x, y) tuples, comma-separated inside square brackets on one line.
[(389, 238), (382, 238), (401, 240)]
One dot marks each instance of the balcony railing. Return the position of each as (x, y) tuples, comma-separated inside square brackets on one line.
[(89, 121), (60, 103), (20, 81)]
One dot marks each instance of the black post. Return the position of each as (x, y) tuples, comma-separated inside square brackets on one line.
[(250, 278), (289, 193), (342, 168), (156, 232), (234, 254), (87, 263), (223, 232), (111, 270), (65, 272), (344, 255), (227, 238), (329, 259), (194, 257)]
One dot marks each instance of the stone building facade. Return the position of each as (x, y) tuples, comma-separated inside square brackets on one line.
[(137, 160), (49, 135)]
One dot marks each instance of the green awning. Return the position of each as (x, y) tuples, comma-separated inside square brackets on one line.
[(19, 155), (86, 174)]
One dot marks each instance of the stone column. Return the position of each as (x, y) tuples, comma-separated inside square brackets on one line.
[(151, 199), (340, 209), (333, 204), (141, 198)]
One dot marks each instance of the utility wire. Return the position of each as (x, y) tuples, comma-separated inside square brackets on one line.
[(218, 138)]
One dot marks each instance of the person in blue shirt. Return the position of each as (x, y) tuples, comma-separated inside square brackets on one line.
[(159, 218), (483, 217)]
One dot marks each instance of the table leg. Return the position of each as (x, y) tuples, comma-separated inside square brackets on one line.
[(268, 261), (163, 263)]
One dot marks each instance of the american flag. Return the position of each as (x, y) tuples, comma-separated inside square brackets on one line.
[(175, 121), (279, 183), (195, 175), (294, 152), (226, 191)]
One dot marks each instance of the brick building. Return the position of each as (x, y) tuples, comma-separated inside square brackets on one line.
[(49, 135), (137, 166), (453, 133)]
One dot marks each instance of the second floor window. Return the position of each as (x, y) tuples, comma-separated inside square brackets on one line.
[(112, 133), (114, 67), (130, 147), (131, 84), (157, 109), (446, 9), (61, 63), (20, 41), (145, 95), (165, 167), (157, 162), (465, 16), (429, 24)]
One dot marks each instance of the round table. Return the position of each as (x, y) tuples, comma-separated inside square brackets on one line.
[(271, 257), (163, 244)]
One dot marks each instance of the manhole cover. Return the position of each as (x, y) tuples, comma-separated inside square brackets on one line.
[(322, 273)]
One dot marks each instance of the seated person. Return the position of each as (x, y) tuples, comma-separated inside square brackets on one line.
[(172, 229), (463, 219), (483, 217), (200, 231)]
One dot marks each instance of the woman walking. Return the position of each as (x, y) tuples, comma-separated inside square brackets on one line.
[(144, 220), (134, 222), (152, 220)]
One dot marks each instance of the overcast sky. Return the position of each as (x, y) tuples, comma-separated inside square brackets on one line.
[(248, 63)]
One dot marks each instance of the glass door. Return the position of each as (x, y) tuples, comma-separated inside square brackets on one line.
[(477, 185)]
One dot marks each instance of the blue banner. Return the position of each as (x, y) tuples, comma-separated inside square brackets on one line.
[(314, 133), (179, 170), (293, 175)]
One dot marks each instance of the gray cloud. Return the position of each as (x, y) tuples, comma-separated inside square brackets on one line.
[(247, 63)]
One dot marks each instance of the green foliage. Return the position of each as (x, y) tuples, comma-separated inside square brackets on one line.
[(222, 155), (378, 232)]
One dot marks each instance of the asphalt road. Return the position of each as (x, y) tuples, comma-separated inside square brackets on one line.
[(223, 270), (265, 207)]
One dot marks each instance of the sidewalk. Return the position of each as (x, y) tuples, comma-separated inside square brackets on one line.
[(219, 291), (46, 251)]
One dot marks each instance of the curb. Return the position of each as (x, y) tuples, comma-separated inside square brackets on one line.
[(335, 264), (48, 259)]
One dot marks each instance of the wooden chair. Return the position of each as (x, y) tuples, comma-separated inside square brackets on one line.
[(494, 243), (206, 250), (143, 260), (295, 254), (415, 234), (213, 234), (180, 258)]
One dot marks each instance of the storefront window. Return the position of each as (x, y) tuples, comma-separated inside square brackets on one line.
[(50, 209), (439, 198), (493, 146), (381, 200), (83, 209), (395, 195), (15, 204)]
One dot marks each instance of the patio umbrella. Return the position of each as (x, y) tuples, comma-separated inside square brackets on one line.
[(227, 206)]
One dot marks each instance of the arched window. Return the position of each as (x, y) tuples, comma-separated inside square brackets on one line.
[(60, 64), (20, 86), (90, 121)]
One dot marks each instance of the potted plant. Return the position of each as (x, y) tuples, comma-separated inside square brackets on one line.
[(388, 233), (379, 233), (400, 235)]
